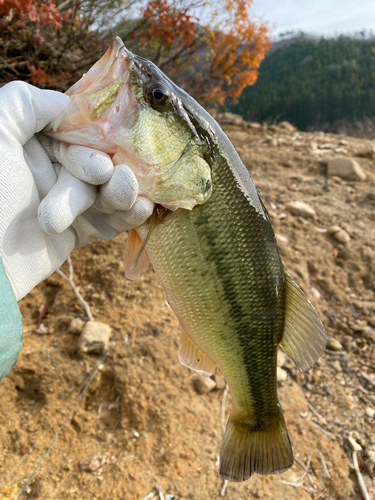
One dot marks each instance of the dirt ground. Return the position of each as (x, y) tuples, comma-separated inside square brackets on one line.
[(140, 423)]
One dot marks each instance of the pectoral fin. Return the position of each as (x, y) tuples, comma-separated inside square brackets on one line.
[(136, 258), (186, 185), (132, 252), (191, 356), (304, 338)]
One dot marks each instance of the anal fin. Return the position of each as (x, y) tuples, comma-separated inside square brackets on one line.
[(304, 338), (193, 357), (132, 249)]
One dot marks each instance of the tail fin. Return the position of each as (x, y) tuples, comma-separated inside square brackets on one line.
[(255, 446)]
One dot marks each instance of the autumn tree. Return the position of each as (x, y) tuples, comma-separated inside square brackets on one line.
[(214, 52), (50, 43)]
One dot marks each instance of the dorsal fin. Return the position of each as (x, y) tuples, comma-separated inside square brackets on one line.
[(191, 356), (304, 338)]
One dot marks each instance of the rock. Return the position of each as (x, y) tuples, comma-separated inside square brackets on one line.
[(346, 168), (253, 125), (336, 366), (219, 381), (333, 344), (347, 343), (342, 236), (287, 164), (367, 152), (339, 234), (282, 375), (354, 445), (92, 463), (370, 462), (76, 326), (301, 209), (365, 305), (237, 136), (281, 238), (94, 337), (202, 385), (287, 126), (313, 146), (370, 412), (273, 142), (367, 480), (281, 358), (230, 118), (369, 334)]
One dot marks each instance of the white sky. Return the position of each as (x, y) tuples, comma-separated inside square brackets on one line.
[(322, 17)]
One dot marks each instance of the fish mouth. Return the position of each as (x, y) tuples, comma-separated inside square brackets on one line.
[(114, 64), (101, 102)]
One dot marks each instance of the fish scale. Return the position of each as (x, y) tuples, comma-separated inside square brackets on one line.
[(226, 300)]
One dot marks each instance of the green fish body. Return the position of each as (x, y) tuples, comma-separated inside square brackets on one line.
[(223, 277), (213, 249)]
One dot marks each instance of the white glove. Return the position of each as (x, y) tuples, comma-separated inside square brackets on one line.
[(53, 196)]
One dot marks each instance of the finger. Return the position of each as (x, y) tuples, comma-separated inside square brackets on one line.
[(93, 224), (68, 198), (40, 165), (87, 164), (120, 192), (136, 216)]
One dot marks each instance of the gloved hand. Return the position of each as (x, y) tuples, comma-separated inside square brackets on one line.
[(53, 196)]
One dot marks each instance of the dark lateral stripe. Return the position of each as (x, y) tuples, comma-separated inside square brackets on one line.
[(249, 284)]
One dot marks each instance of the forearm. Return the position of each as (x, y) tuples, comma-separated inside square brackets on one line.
[(10, 325)]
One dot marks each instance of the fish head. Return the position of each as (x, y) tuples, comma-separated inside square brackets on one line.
[(127, 107)]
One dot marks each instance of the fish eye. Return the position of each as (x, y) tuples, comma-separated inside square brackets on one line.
[(157, 94)]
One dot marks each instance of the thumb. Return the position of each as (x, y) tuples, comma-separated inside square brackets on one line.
[(26, 110)]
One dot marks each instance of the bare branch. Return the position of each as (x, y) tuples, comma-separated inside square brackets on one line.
[(327, 433), (311, 408), (326, 472), (368, 378), (224, 487), (69, 279), (361, 483)]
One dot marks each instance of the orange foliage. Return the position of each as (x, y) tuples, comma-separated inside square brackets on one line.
[(212, 49), (168, 25), (237, 50), (38, 76), (236, 44), (40, 12)]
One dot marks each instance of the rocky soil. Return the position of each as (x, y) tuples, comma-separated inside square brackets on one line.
[(144, 420)]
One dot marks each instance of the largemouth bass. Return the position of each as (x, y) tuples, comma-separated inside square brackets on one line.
[(210, 242)]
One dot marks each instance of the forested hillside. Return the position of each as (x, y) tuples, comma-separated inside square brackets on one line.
[(312, 83)]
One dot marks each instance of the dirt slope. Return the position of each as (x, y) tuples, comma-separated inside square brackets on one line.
[(141, 419)]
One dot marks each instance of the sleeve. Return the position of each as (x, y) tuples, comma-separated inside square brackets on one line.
[(10, 325)]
